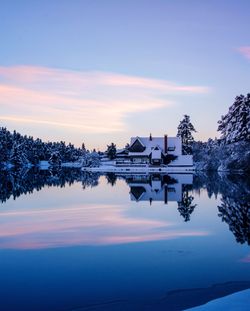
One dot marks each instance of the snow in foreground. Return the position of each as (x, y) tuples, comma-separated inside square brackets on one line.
[(237, 301)]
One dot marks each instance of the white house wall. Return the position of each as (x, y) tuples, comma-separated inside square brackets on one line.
[(182, 160)]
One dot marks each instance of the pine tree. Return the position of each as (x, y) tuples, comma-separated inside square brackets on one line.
[(111, 151), (235, 125), (17, 156), (21, 151), (185, 130), (55, 159)]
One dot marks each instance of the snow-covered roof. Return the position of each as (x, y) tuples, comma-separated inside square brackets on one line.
[(150, 144), (120, 150), (156, 153)]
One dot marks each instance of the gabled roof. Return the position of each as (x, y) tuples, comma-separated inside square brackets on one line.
[(137, 146)]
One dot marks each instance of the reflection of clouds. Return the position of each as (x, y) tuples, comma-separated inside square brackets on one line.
[(78, 225), (90, 101), (246, 259)]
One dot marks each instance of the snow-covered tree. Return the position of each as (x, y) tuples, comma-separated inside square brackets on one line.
[(94, 159), (185, 130), (17, 156), (55, 159), (22, 150), (235, 125), (111, 151), (83, 147)]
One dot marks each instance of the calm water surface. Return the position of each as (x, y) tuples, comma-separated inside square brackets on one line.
[(76, 242)]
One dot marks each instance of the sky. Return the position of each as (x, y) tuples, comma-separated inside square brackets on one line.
[(101, 71)]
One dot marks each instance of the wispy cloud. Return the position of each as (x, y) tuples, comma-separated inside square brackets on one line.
[(245, 51), (93, 102)]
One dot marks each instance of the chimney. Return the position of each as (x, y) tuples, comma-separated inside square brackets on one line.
[(165, 144)]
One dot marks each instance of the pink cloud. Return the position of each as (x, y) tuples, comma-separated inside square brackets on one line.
[(82, 102), (245, 51), (86, 80)]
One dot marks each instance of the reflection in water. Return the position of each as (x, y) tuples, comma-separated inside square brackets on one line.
[(234, 193), (97, 223), (234, 208), (79, 242), (185, 206), (164, 188), (17, 182), (154, 188)]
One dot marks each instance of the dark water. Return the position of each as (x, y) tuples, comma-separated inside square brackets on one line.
[(73, 241)]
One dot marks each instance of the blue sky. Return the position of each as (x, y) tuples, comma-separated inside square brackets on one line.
[(102, 71)]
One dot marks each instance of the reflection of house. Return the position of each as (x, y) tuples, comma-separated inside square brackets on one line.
[(163, 188), (155, 151)]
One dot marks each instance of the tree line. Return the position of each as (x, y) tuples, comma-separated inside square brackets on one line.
[(18, 151), (230, 151)]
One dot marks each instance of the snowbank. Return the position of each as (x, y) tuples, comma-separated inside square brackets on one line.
[(237, 301)]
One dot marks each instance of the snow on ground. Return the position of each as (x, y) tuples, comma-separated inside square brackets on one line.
[(237, 301), (44, 165), (71, 164)]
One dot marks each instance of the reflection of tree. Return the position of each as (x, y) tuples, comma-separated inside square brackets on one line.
[(235, 201), (236, 213), (111, 178), (185, 207), (22, 181), (89, 179)]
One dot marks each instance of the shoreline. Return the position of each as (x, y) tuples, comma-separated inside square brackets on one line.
[(145, 169)]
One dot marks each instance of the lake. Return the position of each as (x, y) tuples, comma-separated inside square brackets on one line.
[(76, 241)]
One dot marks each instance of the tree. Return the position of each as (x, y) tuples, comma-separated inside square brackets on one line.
[(55, 159), (17, 156), (111, 151), (185, 130), (22, 151), (235, 125)]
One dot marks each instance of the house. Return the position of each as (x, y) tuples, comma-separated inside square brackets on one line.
[(155, 151)]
